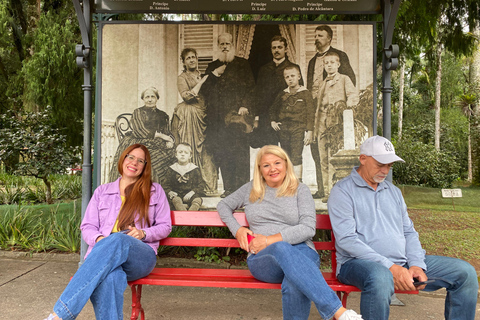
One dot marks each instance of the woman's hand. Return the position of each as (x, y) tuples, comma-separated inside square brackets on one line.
[(168, 139), (260, 242), (196, 89), (241, 236), (136, 233)]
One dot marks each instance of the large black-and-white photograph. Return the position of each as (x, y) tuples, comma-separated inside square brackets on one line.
[(203, 98)]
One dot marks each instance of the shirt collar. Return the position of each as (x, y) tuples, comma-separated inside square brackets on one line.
[(324, 52), (360, 182), (113, 187), (302, 88), (278, 62)]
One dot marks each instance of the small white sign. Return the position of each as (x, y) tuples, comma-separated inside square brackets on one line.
[(451, 193)]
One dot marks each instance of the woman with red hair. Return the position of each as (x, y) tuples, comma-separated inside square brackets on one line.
[(123, 224)]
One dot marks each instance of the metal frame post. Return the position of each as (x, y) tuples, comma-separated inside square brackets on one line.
[(390, 11), (84, 20)]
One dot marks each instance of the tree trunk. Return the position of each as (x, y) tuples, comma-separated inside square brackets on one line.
[(470, 175), (48, 194), (400, 101), (438, 86), (475, 120)]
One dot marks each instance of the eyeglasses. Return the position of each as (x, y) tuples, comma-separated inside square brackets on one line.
[(131, 157)]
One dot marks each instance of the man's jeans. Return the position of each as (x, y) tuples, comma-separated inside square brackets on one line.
[(376, 283), (103, 277), (296, 267)]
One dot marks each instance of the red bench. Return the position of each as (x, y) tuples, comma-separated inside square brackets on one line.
[(224, 278)]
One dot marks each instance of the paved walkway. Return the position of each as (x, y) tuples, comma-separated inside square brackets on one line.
[(29, 287)]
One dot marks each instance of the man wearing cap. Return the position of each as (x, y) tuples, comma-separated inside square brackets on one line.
[(378, 249)]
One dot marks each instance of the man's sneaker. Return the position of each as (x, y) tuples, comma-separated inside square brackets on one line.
[(350, 315)]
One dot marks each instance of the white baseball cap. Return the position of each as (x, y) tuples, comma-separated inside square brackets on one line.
[(380, 149)]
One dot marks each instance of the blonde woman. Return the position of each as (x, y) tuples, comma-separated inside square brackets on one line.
[(281, 215)]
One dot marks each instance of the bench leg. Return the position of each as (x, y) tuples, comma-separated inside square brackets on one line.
[(136, 302), (344, 299)]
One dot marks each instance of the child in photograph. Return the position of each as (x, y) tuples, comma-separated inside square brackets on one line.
[(336, 94), (184, 183), (292, 114)]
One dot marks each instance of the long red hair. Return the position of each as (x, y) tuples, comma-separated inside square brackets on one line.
[(137, 194)]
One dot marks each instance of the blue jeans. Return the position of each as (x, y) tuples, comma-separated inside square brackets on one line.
[(103, 277), (296, 267), (376, 283)]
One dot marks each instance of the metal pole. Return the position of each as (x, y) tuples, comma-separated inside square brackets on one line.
[(386, 75), (85, 27), (390, 10)]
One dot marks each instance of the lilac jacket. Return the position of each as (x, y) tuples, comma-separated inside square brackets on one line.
[(103, 208)]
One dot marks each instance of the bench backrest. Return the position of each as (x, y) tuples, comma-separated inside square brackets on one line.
[(212, 219)]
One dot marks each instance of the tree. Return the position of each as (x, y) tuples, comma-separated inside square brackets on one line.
[(37, 62), (41, 147), (433, 26), (400, 100), (474, 75), (466, 102), (438, 97)]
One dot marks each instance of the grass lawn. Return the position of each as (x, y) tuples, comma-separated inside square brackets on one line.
[(449, 233), (442, 230), (63, 208), (431, 198)]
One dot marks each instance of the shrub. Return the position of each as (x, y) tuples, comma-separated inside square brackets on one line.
[(40, 228), (424, 165), (30, 190)]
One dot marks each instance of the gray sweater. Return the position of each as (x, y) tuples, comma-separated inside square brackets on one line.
[(293, 217)]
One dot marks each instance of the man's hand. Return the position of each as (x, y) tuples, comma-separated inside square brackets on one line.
[(220, 70), (276, 125), (308, 138), (402, 278), (243, 111), (417, 272), (241, 236), (172, 194)]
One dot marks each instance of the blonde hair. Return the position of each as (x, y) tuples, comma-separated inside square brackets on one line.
[(290, 183)]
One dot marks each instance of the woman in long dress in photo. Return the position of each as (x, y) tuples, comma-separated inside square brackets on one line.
[(188, 120), (150, 127)]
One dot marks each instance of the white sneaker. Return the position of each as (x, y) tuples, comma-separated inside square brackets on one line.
[(350, 315)]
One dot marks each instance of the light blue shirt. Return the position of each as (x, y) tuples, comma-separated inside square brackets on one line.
[(373, 224)]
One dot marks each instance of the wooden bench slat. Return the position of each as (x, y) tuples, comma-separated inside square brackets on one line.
[(225, 243), (204, 219), (228, 278), (200, 242)]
